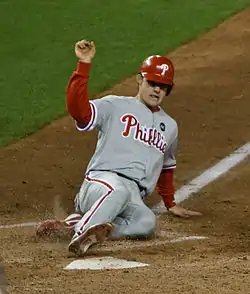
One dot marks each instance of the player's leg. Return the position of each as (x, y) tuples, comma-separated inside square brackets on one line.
[(55, 228), (136, 221), (102, 197), (91, 191)]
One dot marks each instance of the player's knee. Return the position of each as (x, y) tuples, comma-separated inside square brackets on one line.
[(147, 225), (150, 225)]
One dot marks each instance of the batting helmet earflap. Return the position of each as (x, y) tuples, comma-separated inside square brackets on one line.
[(158, 69)]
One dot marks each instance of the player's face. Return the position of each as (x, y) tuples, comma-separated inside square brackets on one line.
[(152, 93)]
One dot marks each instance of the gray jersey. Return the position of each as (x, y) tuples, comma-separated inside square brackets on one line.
[(132, 140)]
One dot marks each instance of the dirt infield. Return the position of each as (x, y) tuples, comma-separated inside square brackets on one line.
[(40, 175)]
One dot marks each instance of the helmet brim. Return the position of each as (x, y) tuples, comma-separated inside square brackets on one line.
[(157, 78)]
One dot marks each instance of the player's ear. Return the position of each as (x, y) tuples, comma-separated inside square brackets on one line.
[(139, 79), (169, 89)]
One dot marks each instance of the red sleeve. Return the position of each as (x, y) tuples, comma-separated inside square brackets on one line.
[(77, 99), (165, 187)]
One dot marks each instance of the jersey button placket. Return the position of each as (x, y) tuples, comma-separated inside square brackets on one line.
[(150, 148)]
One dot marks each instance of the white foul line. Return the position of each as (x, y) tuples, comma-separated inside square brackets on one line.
[(21, 225), (194, 186), (138, 244)]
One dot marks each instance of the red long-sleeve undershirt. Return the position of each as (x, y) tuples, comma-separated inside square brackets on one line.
[(165, 187), (77, 98), (78, 106)]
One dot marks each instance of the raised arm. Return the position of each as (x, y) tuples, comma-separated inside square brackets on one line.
[(77, 99)]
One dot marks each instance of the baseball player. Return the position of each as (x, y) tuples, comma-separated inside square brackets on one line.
[(135, 154)]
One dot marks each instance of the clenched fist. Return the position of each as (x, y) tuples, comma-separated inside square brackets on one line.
[(85, 51)]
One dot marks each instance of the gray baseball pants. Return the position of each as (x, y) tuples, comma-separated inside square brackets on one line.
[(106, 197)]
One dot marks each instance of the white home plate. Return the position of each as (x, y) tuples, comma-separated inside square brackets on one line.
[(103, 263)]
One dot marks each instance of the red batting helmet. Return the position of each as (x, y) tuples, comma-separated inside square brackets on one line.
[(158, 69)]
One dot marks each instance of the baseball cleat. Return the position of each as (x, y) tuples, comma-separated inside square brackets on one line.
[(58, 228), (93, 235)]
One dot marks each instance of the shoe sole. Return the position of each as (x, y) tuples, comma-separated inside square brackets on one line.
[(93, 235), (54, 229), (58, 228)]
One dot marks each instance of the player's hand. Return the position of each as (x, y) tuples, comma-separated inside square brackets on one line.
[(85, 50), (183, 212)]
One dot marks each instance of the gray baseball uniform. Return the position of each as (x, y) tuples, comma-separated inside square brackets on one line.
[(134, 145)]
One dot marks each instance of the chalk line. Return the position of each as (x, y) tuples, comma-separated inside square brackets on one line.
[(143, 244), (187, 190), (21, 225)]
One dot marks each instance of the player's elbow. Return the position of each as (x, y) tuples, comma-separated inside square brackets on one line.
[(82, 115)]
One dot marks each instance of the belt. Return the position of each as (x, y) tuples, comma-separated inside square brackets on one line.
[(142, 189)]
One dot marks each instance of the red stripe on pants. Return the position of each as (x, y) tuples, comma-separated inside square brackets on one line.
[(111, 189)]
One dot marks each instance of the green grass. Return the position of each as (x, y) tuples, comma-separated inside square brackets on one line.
[(37, 41)]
